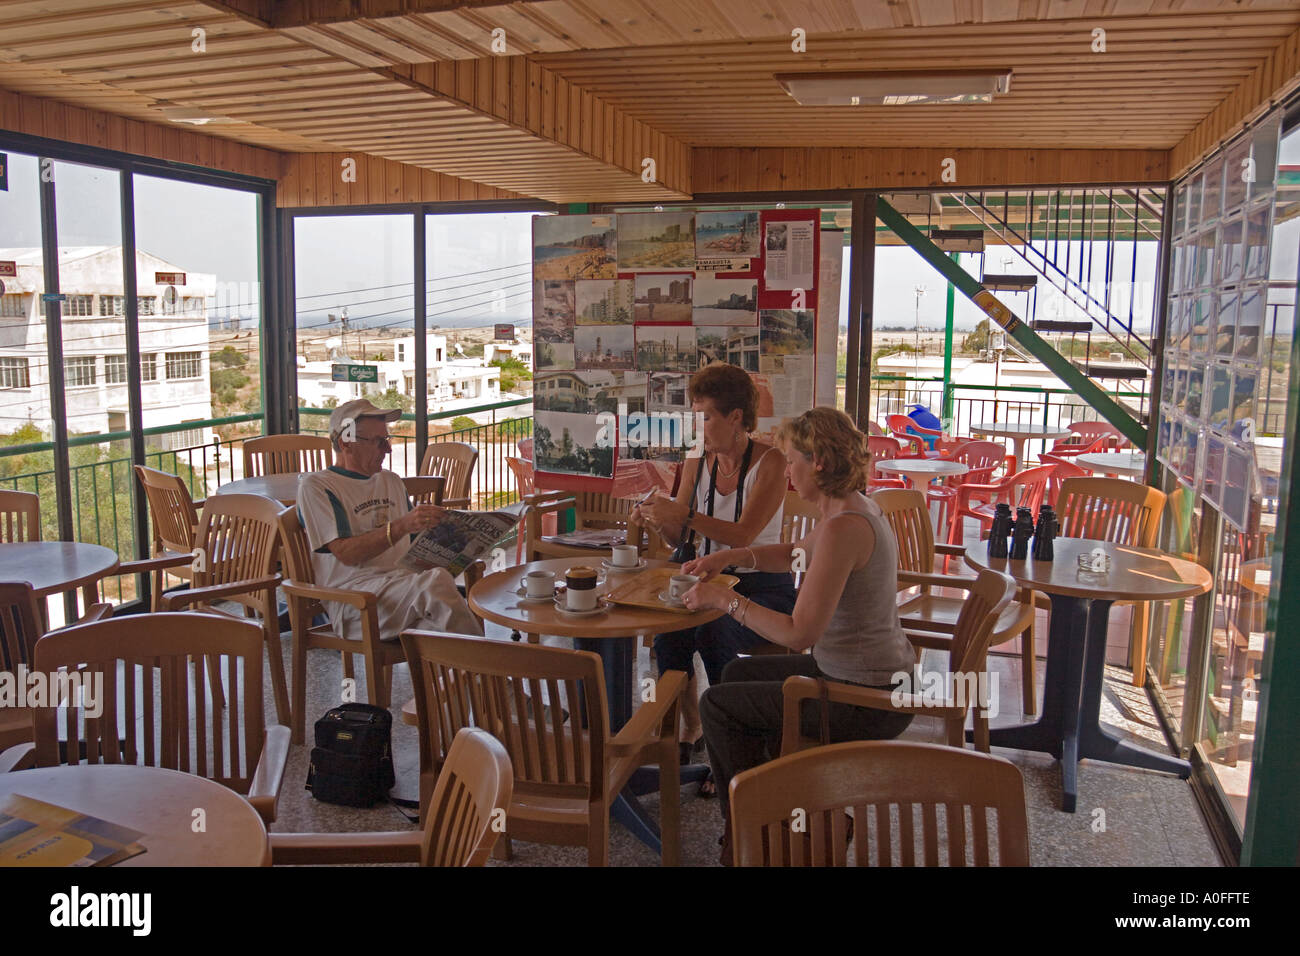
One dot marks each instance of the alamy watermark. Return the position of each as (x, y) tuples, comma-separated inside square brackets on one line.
[(23, 688), (942, 689)]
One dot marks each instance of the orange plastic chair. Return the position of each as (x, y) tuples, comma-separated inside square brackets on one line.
[(982, 457), (1064, 469), (1023, 490), (1088, 437), (901, 426), (882, 449)]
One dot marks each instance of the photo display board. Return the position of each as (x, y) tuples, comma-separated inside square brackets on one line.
[(628, 306), (1215, 327)]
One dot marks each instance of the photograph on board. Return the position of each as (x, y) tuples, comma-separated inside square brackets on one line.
[(573, 444), (603, 347), (663, 299), (552, 355), (656, 241), (668, 348), (784, 332), (730, 234), (574, 247), (604, 301), (725, 302), (553, 311)]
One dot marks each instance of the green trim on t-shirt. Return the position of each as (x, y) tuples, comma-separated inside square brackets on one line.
[(340, 515), (347, 474)]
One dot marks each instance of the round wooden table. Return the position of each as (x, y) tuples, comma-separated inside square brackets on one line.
[(52, 567), (1019, 434), (282, 487), (1129, 464), (160, 804), (612, 635), (922, 470), (1070, 728)]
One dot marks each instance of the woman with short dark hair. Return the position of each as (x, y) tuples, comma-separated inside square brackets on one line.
[(731, 497)]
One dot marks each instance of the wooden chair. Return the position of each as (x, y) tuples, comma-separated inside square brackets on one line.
[(455, 461), (1114, 509), (174, 517), (282, 454), (988, 597), (888, 777), (305, 598), (1022, 490), (20, 629), (158, 710), (237, 551), (909, 516), (20, 516), (425, 489), (466, 815), (798, 518), (523, 471), (566, 775), (882, 448), (593, 511)]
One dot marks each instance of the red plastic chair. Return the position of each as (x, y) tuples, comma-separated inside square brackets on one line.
[(882, 448), (982, 457), (1023, 490), (1064, 469), (1085, 438)]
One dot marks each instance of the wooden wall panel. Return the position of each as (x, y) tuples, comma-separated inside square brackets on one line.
[(36, 116), (771, 170), (1269, 82), (315, 179)]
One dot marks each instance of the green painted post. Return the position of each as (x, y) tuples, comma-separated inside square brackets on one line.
[(1077, 382), (947, 346)]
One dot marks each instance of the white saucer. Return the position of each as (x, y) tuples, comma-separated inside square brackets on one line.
[(671, 601), (610, 566), (523, 596), (602, 605)]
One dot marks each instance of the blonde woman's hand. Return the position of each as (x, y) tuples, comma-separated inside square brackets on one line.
[(708, 596), (708, 566)]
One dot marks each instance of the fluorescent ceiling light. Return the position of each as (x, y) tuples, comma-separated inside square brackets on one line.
[(195, 117), (895, 88)]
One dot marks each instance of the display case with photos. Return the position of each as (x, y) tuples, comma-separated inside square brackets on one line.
[(1212, 191), (1225, 325), (1232, 249)]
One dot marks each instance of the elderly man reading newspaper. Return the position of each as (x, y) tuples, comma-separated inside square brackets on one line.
[(359, 525)]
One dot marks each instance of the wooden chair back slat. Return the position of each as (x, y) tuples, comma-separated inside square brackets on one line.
[(1110, 509), (158, 703), (20, 624), (455, 461), (284, 454), (171, 510), (20, 516), (880, 782), (239, 535), (425, 489)]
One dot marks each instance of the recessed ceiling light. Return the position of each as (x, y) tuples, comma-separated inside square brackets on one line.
[(895, 88), (195, 117)]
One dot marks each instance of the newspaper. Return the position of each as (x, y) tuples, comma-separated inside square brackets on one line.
[(461, 538), (789, 261)]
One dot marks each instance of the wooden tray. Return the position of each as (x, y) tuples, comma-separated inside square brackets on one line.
[(644, 589)]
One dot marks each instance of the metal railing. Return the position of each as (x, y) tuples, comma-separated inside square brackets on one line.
[(983, 404)]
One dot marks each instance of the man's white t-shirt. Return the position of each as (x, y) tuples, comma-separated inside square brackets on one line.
[(337, 503)]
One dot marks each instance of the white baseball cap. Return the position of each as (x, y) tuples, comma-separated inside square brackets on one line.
[(359, 408)]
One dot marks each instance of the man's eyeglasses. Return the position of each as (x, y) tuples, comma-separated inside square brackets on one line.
[(379, 440)]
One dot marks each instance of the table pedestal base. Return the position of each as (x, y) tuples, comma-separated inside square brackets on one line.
[(1070, 728)]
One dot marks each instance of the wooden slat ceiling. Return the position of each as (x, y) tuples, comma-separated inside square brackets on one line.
[(661, 75)]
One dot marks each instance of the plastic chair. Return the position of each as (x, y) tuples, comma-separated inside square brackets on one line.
[(937, 444), (909, 518), (466, 815), (882, 448), (1086, 437), (20, 516), (884, 779), (982, 457), (285, 454), (1022, 490), (1114, 509), (1064, 469), (145, 662), (455, 461), (567, 775)]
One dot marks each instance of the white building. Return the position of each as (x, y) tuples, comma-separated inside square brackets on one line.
[(451, 383), (505, 350), (174, 361)]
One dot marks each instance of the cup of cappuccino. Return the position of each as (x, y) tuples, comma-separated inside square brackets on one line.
[(581, 591), (679, 584), (539, 584), (624, 556)]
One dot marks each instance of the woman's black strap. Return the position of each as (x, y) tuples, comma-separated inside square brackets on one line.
[(740, 488)]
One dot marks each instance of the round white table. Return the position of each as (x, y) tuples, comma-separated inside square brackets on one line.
[(1129, 464), (1019, 434), (922, 470)]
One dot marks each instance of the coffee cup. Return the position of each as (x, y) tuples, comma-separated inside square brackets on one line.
[(679, 584), (624, 556), (580, 594), (539, 584)]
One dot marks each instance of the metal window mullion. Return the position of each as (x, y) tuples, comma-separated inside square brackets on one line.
[(419, 293), (134, 375)]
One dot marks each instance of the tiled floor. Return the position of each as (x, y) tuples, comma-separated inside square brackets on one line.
[(1126, 817)]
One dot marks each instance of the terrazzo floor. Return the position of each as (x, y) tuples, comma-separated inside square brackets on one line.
[(1126, 816)]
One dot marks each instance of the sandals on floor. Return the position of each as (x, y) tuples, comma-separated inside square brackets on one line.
[(708, 789)]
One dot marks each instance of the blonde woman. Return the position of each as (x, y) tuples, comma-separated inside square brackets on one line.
[(845, 611)]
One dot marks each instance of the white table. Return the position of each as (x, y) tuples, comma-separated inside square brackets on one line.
[(1019, 434), (1129, 464), (922, 470)]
